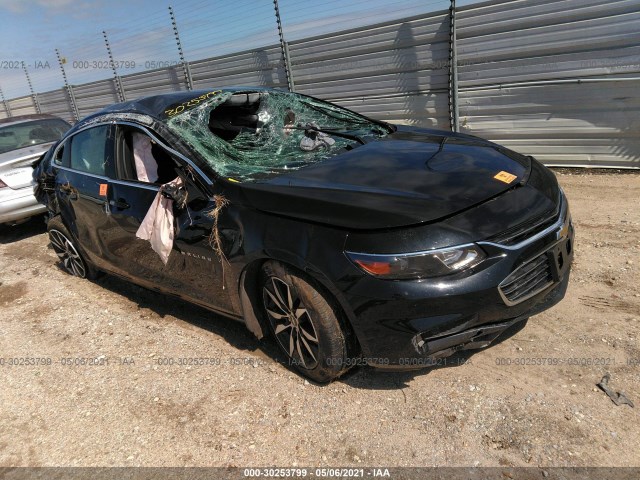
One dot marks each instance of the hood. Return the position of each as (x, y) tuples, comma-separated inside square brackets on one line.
[(15, 166), (410, 177)]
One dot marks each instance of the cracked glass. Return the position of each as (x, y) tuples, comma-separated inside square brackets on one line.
[(248, 136)]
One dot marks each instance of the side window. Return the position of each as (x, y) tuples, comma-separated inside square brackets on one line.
[(89, 151), (62, 155), (140, 159)]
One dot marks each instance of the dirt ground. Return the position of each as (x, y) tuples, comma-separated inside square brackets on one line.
[(530, 400)]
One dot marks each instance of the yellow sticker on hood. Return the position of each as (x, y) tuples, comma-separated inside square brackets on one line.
[(505, 177)]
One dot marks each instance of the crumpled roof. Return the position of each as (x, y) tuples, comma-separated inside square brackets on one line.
[(155, 106), (273, 142)]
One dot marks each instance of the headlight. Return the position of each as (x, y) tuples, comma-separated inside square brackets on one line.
[(431, 263)]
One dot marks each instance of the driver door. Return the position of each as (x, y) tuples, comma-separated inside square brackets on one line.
[(193, 270)]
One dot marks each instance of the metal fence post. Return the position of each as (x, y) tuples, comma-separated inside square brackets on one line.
[(33, 94), (454, 114), (4, 102), (284, 46), (185, 64), (72, 98), (116, 77)]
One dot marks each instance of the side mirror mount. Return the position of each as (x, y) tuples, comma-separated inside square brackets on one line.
[(177, 192)]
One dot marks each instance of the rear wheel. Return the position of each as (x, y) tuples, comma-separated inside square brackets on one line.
[(304, 322), (67, 251)]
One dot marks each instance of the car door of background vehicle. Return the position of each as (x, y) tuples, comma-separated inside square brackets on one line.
[(84, 163), (193, 270)]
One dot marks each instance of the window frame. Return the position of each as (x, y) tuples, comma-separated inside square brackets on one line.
[(201, 181), (65, 161), (121, 127)]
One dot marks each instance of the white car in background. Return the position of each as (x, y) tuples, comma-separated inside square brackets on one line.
[(23, 140)]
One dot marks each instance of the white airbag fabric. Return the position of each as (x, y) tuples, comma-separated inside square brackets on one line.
[(157, 226)]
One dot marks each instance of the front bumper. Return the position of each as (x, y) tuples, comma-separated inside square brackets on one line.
[(433, 349), (18, 204), (409, 324)]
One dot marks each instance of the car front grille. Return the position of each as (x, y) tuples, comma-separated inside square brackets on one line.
[(527, 280)]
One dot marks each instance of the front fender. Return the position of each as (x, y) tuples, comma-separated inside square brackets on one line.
[(306, 247)]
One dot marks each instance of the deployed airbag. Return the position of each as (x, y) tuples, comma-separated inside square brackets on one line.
[(146, 165), (157, 225)]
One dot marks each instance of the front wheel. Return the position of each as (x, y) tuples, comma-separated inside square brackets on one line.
[(305, 323)]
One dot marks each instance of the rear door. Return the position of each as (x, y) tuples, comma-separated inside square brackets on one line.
[(85, 163)]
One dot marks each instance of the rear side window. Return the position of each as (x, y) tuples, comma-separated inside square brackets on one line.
[(89, 152)]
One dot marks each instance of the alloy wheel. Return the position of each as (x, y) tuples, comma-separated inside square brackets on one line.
[(291, 323), (67, 253)]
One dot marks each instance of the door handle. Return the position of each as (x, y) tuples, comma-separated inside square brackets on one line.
[(119, 204)]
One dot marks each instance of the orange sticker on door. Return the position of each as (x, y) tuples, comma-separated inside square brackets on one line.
[(505, 177), (103, 189)]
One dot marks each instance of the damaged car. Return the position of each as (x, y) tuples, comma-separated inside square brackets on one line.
[(349, 240)]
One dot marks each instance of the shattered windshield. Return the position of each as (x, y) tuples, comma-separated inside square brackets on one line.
[(251, 135)]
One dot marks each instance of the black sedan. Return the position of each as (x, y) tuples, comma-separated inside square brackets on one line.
[(350, 240)]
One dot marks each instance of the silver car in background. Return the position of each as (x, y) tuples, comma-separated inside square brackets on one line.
[(23, 140)]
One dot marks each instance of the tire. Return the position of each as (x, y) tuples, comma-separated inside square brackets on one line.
[(68, 252), (305, 323)]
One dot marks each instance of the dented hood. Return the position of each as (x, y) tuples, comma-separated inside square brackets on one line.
[(410, 177)]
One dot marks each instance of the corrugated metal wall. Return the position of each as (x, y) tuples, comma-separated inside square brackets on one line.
[(3, 111), (261, 67), (163, 80), (93, 96), (559, 80), (553, 79), (22, 105), (56, 102), (395, 71)]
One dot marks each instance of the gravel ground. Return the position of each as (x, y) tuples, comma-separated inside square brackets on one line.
[(247, 409)]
